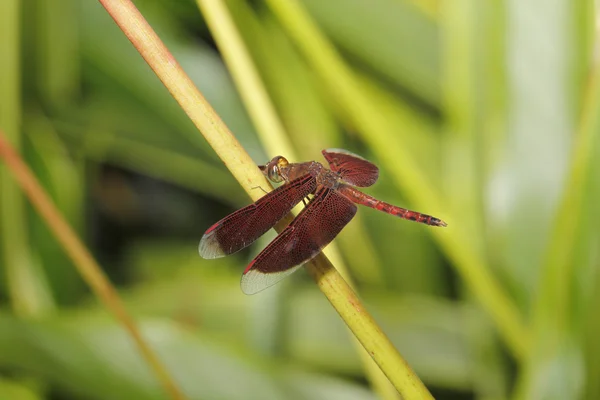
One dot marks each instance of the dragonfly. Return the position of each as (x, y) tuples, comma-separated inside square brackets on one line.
[(330, 196)]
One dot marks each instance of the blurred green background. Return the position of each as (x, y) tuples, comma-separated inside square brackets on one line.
[(495, 101)]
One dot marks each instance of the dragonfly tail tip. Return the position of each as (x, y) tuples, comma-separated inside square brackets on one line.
[(437, 222)]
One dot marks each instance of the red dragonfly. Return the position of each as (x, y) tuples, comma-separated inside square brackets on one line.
[(330, 207)]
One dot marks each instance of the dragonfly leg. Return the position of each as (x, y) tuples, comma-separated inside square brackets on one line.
[(259, 187)]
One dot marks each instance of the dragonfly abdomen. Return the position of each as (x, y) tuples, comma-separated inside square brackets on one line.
[(366, 200), (410, 215)]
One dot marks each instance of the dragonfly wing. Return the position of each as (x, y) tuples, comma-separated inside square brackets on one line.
[(241, 228), (315, 227), (353, 169)]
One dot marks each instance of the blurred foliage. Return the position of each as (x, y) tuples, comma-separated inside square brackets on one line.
[(491, 98)]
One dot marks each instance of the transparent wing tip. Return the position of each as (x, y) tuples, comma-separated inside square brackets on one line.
[(254, 281), (210, 247)]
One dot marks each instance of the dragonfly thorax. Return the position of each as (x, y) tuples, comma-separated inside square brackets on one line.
[(326, 177)]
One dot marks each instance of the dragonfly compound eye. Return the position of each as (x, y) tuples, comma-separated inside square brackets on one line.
[(274, 172), (282, 162)]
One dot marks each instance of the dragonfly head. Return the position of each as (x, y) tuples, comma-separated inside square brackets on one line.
[(273, 170)]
